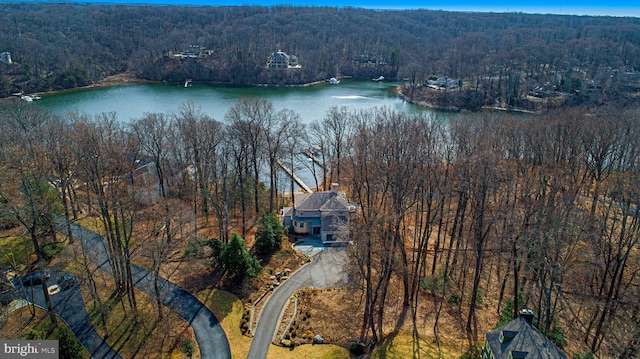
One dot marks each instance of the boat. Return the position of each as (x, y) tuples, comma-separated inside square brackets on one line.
[(27, 98), (334, 81), (187, 83), (381, 78)]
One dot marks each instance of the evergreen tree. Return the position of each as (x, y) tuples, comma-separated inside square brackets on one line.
[(238, 263), (269, 233)]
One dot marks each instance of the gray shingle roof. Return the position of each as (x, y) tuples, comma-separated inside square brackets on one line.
[(526, 339), (324, 201)]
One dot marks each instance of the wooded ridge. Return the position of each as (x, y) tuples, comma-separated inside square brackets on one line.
[(498, 59)]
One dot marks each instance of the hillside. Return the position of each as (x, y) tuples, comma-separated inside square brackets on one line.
[(502, 57)]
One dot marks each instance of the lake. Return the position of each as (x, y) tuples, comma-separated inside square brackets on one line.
[(311, 103)]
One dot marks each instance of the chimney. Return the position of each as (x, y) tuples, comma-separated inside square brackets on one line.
[(335, 188), (527, 314)]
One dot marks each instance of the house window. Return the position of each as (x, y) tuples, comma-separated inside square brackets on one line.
[(517, 354)]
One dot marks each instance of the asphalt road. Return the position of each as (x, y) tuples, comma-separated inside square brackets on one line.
[(212, 341), (69, 306), (325, 271)]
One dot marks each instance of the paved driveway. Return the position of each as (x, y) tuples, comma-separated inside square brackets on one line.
[(211, 339), (325, 271), (69, 306)]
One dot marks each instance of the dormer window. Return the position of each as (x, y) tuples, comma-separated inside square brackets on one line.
[(507, 335), (514, 354)]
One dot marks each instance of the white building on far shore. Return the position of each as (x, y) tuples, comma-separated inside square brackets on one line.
[(6, 58)]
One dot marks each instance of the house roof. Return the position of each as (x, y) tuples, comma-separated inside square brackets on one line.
[(322, 201), (286, 211), (520, 339)]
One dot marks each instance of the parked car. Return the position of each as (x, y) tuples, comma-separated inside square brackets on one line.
[(67, 281), (34, 278)]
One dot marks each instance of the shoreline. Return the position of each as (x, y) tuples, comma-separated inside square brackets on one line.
[(423, 103), (457, 109), (113, 80), (127, 79)]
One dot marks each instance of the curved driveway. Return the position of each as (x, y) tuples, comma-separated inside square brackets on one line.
[(325, 271), (211, 339), (69, 306)]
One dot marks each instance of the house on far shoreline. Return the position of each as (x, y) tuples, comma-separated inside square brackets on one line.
[(519, 339), (281, 60), (5, 57), (323, 215)]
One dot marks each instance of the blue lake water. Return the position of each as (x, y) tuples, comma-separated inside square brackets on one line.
[(311, 103)]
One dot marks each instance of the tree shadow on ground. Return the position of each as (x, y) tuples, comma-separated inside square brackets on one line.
[(387, 343), (203, 280)]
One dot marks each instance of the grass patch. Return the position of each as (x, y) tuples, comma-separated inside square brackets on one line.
[(228, 309), (402, 346), (91, 223), (14, 249), (318, 351), (147, 337), (19, 324), (284, 254)]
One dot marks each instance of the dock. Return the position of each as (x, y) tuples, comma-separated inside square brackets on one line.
[(307, 152), (295, 178)]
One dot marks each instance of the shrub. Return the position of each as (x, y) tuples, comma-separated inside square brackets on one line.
[(50, 249), (193, 249), (217, 248), (68, 344), (587, 355), (357, 349), (453, 298), (506, 314), (479, 298), (188, 348), (556, 335), (435, 284)]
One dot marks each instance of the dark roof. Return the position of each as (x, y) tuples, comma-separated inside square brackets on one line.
[(523, 340), (323, 201)]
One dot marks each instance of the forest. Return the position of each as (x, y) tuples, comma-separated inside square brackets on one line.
[(471, 218), (467, 216), (501, 60)]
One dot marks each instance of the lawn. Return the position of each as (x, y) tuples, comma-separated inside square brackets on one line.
[(20, 324), (402, 346), (14, 250), (228, 309)]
